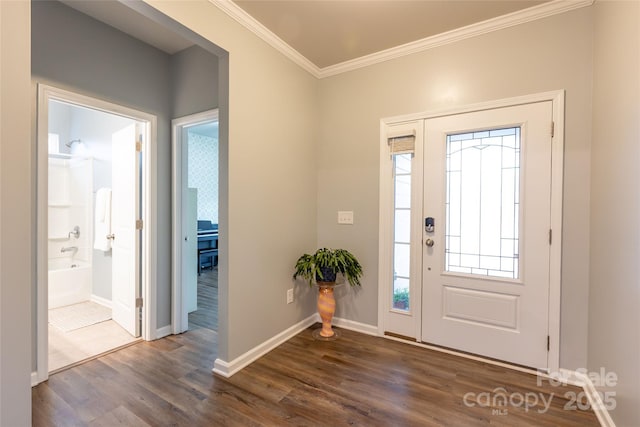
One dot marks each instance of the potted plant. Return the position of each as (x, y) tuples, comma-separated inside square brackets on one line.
[(323, 267), (401, 299)]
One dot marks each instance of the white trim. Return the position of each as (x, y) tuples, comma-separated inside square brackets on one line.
[(34, 379), (595, 400), (149, 250), (540, 11), (251, 24), (555, 252), (102, 301), (163, 332), (179, 315), (352, 325), (555, 272), (385, 234), (227, 369)]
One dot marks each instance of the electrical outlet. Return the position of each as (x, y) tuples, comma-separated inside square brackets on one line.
[(289, 296), (345, 217)]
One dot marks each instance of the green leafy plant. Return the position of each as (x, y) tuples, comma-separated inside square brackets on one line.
[(323, 266), (401, 298)]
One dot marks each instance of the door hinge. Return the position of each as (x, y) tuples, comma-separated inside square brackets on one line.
[(548, 343), (138, 146), (550, 235), (138, 302), (139, 224), (553, 129)]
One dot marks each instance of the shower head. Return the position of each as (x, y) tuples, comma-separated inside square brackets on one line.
[(70, 143)]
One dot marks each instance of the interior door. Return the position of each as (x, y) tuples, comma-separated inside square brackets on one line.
[(190, 252), (486, 233), (126, 163)]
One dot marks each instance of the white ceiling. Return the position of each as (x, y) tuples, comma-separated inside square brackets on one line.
[(325, 32), (328, 32)]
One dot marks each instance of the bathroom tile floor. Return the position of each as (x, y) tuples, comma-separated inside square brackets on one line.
[(69, 348)]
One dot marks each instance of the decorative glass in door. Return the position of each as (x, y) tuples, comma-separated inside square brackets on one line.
[(483, 203)]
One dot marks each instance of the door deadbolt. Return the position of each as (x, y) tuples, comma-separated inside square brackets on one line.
[(429, 224)]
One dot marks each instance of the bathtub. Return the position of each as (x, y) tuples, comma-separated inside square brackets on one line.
[(69, 282)]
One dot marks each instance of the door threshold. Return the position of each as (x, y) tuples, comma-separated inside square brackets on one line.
[(466, 355)]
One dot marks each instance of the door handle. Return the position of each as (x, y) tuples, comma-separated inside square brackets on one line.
[(111, 236), (429, 242)]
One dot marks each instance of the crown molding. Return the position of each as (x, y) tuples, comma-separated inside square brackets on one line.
[(540, 11), (249, 22)]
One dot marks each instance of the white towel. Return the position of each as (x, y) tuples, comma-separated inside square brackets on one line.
[(102, 220)]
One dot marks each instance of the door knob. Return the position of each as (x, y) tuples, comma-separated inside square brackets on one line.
[(429, 242)]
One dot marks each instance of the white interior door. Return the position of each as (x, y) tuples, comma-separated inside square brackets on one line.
[(190, 252), (126, 243), (487, 183)]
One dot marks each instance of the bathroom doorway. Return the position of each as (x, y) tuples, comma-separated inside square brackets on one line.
[(93, 251)]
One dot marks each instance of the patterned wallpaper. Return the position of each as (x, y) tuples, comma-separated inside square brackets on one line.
[(203, 174)]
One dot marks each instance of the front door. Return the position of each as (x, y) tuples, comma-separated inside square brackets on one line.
[(486, 211)]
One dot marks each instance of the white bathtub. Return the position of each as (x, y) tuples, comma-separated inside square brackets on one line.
[(69, 282)]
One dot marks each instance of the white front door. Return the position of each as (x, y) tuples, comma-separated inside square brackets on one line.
[(486, 232), (126, 243)]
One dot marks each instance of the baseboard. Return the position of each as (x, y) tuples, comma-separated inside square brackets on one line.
[(363, 328), (227, 369), (163, 332), (595, 399), (34, 379), (102, 301)]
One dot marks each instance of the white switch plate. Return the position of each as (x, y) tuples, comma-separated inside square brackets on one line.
[(345, 217), (289, 296)]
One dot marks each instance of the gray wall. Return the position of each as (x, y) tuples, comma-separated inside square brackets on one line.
[(78, 53), (544, 55), (16, 180), (614, 299), (192, 72), (268, 140)]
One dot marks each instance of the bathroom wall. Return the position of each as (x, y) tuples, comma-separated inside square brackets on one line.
[(68, 191), (59, 117), (203, 172)]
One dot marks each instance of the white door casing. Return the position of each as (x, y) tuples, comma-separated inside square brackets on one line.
[(181, 252), (406, 322), (414, 321), (498, 317), (126, 241)]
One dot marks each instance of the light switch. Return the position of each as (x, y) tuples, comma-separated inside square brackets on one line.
[(345, 217)]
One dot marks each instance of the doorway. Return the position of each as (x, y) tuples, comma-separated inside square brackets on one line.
[(469, 262), (195, 221), (93, 254)]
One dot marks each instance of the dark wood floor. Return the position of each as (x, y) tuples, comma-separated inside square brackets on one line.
[(356, 380), (206, 316)]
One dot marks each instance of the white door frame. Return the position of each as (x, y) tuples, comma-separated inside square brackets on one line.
[(179, 315), (149, 250), (385, 260)]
